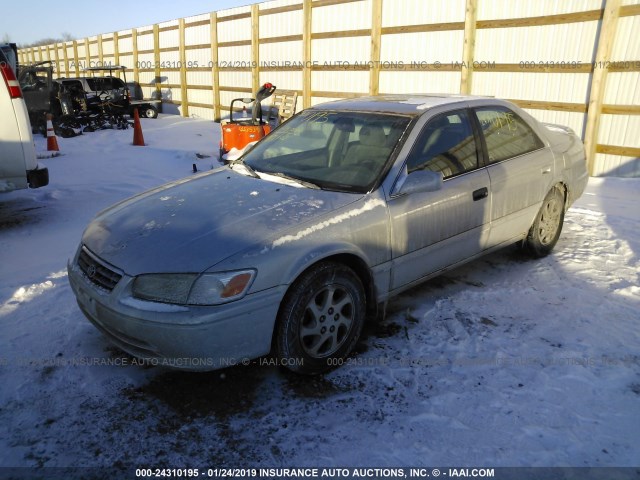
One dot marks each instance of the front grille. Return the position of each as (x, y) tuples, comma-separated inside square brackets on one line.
[(96, 271)]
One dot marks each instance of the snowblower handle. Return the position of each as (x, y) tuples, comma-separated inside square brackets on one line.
[(265, 91)]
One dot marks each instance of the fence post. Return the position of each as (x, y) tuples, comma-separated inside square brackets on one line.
[(215, 70), (100, 52), (116, 51), (87, 52), (65, 55), (156, 60), (468, 50), (306, 48), (255, 48), (376, 38), (134, 45), (76, 60), (184, 91), (604, 46), (56, 54)]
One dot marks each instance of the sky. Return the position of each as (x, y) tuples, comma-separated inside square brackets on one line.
[(27, 22)]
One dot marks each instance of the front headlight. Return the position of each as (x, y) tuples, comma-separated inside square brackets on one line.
[(192, 288)]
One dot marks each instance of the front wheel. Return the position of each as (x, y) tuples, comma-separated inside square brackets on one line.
[(320, 319), (546, 228)]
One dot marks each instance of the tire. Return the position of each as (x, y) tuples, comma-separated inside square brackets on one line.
[(149, 112), (320, 319), (545, 231)]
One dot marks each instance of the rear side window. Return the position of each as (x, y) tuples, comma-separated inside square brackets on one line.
[(446, 144), (505, 133)]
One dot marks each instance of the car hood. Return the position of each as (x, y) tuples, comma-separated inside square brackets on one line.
[(190, 225)]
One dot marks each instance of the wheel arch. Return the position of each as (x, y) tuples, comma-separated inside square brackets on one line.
[(354, 262)]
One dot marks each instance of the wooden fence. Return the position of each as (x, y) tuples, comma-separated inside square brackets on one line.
[(329, 49)]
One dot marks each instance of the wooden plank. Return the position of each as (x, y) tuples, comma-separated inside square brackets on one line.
[(554, 106), (76, 59), (199, 87), (604, 44), (469, 46), (630, 10), (56, 53), (87, 52), (169, 28), (146, 52), (169, 49), (156, 60), (100, 51), (306, 52), (276, 10), (546, 67), (184, 92), (199, 23), (197, 47), (238, 16), (562, 18), (136, 62), (65, 55), (255, 48), (236, 43), (618, 150), (328, 3), (376, 41), (365, 32), (116, 51), (283, 38), (430, 27), (215, 71), (621, 109)]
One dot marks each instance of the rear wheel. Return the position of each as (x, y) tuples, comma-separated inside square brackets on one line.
[(546, 228), (321, 319)]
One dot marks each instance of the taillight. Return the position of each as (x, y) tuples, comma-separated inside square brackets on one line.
[(11, 80)]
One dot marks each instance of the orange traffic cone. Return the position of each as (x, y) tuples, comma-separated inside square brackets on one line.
[(138, 139), (52, 140)]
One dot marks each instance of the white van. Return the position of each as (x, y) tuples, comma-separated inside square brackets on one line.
[(18, 165)]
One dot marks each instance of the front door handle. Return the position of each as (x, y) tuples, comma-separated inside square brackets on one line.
[(546, 170), (480, 194)]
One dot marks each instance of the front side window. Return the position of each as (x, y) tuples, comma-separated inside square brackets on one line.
[(446, 144), (505, 133)]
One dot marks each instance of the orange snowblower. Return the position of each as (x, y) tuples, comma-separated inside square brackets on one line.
[(238, 132)]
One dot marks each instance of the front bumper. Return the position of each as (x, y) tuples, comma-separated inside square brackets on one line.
[(187, 338)]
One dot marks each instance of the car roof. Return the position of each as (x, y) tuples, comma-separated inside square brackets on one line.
[(405, 104)]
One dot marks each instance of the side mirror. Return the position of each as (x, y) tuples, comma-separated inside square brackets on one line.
[(420, 181)]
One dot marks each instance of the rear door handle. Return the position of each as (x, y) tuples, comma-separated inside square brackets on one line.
[(480, 194)]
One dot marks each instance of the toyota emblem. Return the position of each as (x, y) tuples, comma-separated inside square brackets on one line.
[(91, 271)]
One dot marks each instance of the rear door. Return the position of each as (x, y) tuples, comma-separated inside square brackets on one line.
[(520, 167), (433, 230)]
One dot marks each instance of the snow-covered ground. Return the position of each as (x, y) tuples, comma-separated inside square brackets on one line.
[(507, 361)]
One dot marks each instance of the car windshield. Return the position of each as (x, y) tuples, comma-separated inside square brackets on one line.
[(334, 150)]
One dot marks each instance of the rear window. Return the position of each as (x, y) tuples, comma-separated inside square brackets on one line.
[(105, 83), (506, 134)]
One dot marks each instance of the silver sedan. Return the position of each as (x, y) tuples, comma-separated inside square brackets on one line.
[(291, 248)]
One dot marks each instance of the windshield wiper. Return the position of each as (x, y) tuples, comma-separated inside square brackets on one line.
[(304, 183), (251, 171)]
